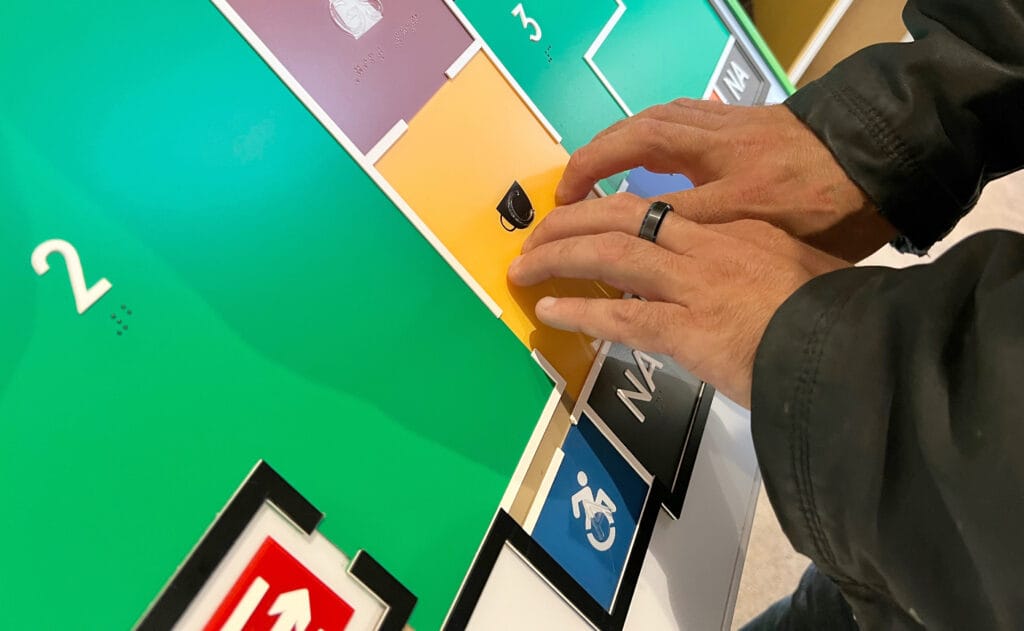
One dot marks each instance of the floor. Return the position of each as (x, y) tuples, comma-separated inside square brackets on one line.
[(772, 567)]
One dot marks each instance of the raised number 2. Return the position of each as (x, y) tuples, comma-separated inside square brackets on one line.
[(528, 23), (85, 297)]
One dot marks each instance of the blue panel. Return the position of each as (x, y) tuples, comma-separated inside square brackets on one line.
[(646, 184), (591, 514)]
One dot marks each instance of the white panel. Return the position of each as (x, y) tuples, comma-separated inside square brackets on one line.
[(517, 598), (692, 570)]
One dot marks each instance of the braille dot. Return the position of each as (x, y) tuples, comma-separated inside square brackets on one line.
[(123, 307), (113, 316), (129, 312), (126, 327), (119, 333), (119, 322)]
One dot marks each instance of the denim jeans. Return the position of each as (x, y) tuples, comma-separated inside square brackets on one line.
[(816, 604)]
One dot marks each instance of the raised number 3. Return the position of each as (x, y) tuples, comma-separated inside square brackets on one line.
[(528, 23), (85, 297)]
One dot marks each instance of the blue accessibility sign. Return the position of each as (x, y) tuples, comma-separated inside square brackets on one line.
[(590, 516)]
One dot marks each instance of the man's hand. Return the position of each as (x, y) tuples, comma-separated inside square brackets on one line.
[(710, 290), (747, 163)]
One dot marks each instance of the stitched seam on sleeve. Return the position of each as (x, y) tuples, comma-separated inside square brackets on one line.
[(893, 146), (814, 351), (804, 392), (799, 443), (805, 405), (888, 141)]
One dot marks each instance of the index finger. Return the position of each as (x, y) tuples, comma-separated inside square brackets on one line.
[(625, 213), (638, 324), (630, 264), (695, 113), (657, 146)]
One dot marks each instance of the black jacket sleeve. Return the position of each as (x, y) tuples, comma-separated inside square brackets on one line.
[(888, 419), (923, 126)]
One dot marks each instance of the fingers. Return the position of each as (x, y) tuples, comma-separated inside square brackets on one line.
[(656, 145), (690, 112), (716, 202), (760, 233), (779, 242), (624, 213), (704, 105), (625, 262), (616, 213), (652, 327), (680, 119)]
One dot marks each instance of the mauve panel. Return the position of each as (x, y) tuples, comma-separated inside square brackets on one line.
[(365, 85)]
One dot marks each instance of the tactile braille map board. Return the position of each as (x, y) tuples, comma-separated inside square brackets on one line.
[(259, 364)]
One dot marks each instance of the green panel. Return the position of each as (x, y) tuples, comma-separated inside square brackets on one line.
[(282, 308), (660, 51)]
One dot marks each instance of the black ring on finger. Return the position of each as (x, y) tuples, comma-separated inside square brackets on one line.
[(655, 216)]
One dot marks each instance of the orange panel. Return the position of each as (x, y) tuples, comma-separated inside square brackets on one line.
[(459, 156)]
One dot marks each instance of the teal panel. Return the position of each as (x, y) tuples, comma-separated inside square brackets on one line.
[(552, 71), (656, 52), (660, 51)]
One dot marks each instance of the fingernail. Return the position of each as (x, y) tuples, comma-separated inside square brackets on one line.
[(546, 304)]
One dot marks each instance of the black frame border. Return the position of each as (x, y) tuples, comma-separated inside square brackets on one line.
[(506, 531), (263, 485), (675, 497)]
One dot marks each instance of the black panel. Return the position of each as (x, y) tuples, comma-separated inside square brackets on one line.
[(659, 439)]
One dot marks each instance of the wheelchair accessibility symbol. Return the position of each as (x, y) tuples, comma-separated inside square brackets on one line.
[(598, 513)]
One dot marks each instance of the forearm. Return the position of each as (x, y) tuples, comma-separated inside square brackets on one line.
[(923, 126), (886, 417)]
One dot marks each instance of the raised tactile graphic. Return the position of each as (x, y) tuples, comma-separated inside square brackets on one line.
[(353, 77), (516, 209)]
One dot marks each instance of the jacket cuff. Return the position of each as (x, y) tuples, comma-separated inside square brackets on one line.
[(882, 162), (783, 405)]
